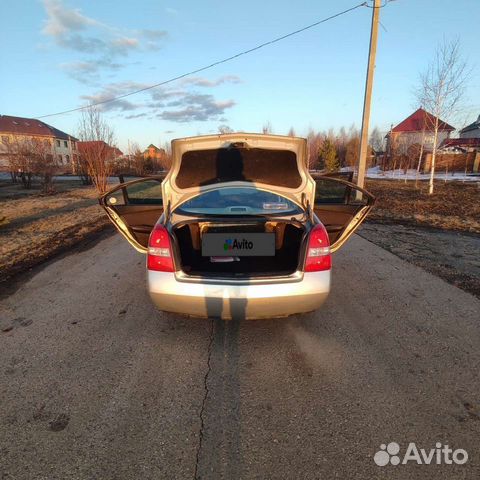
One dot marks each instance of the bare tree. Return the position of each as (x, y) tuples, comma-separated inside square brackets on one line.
[(314, 144), (45, 163), (82, 170), (376, 143), (291, 132), (441, 89), (267, 127), (224, 129), (20, 160), (32, 157), (137, 159), (376, 140), (352, 151), (420, 150), (341, 141), (97, 154), (166, 160)]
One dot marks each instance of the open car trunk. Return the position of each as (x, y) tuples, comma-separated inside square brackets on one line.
[(288, 249), (271, 162)]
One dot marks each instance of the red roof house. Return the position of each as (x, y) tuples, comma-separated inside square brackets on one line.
[(111, 153), (419, 121), (13, 128), (417, 128), (30, 127), (461, 144)]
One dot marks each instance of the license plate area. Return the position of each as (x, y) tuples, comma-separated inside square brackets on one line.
[(238, 244)]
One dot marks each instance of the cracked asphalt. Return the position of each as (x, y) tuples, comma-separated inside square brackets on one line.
[(95, 384)]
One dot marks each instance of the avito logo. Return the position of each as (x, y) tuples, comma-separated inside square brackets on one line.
[(235, 244), (441, 454)]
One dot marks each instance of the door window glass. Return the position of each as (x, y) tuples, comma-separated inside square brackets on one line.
[(145, 192)]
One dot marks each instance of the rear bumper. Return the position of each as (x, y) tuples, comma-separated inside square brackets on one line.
[(173, 293)]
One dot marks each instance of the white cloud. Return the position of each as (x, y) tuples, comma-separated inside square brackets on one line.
[(97, 42), (152, 34), (196, 107), (62, 20), (123, 44), (175, 104), (88, 72), (114, 90)]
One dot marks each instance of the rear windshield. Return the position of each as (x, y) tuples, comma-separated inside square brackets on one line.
[(206, 167), (239, 201)]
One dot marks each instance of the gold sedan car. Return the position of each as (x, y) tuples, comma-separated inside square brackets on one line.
[(238, 228)]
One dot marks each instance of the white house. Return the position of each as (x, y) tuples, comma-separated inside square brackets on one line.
[(472, 130)]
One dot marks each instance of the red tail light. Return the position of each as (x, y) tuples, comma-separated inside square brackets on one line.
[(318, 251), (159, 256)]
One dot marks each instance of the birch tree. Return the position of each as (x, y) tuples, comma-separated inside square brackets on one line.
[(441, 89)]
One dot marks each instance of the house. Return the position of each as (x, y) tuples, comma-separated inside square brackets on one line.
[(417, 129), (154, 152), (107, 152), (112, 153), (19, 129), (460, 145), (469, 140), (472, 130)]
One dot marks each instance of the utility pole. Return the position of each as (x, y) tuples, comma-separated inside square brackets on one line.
[(362, 162)]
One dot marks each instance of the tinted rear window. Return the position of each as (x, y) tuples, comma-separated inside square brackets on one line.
[(206, 167), (239, 201)]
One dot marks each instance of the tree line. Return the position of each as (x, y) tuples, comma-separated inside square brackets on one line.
[(330, 150)]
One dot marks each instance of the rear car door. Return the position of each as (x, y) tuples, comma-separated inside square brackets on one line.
[(341, 206), (134, 208)]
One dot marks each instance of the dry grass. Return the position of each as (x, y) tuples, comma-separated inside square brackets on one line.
[(453, 206), (33, 227)]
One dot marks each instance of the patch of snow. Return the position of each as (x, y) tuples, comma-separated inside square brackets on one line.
[(399, 174)]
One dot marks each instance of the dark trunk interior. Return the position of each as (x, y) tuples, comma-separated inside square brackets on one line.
[(288, 241)]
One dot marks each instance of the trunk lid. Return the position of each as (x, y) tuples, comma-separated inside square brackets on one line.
[(269, 162)]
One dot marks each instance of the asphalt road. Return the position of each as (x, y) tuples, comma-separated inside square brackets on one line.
[(95, 384)]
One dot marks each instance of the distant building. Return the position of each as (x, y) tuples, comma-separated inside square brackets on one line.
[(460, 145), (472, 130), (414, 129), (99, 147), (112, 153), (154, 152), (469, 140), (13, 129)]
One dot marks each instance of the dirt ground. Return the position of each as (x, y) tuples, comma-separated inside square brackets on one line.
[(450, 255), (454, 205), (33, 226)]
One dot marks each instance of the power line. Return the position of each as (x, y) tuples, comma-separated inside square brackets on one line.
[(219, 62), (381, 6)]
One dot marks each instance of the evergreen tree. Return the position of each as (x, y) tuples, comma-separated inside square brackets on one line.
[(328, 155)]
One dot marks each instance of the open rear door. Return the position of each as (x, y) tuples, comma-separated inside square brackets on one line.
[(341, 206), (134, 208)]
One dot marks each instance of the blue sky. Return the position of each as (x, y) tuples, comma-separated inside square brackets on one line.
[(64, 53)]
